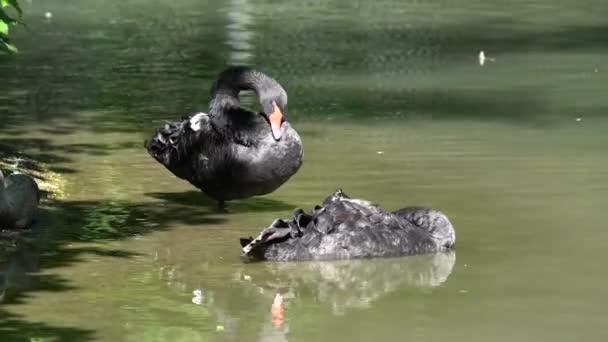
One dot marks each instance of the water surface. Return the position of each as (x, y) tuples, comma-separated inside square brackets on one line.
[(392, 107)]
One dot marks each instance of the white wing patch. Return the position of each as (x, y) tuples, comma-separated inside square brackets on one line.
[(197, 120)]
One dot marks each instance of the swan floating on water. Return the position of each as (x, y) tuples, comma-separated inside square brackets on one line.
[(349, 228)]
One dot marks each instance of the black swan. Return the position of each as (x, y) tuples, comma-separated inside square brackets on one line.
[(348, 228), (231, 152), (19, 198)]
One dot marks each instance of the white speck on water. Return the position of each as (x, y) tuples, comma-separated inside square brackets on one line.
[(463, 291), (483, 59), (198, 297), (48, 15), (380, 152), (247, 277), (595, 70), (578, 119), (465, 265)]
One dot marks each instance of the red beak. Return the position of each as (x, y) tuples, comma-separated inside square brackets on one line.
[(276, 120)]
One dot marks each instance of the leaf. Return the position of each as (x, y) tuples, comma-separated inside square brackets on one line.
[(14, 4), (3, 28)]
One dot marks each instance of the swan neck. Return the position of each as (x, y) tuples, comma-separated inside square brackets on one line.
[(225, 91)]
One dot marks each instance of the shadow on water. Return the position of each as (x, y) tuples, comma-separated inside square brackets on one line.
[(17, 328), (418, 50), (60, 223), (198, 199), (44, 151), (20, 275), (25, 258), (517, 106)]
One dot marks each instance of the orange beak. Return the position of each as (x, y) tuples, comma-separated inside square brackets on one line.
[(276, 120)]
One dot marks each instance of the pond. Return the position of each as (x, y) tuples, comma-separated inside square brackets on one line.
[(392, 106)]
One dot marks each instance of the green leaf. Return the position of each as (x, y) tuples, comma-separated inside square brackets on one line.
[(14, 4), (3, 28)]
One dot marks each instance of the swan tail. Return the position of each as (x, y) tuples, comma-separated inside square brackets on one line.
[(165, 145), (172, 142), (279, 231)]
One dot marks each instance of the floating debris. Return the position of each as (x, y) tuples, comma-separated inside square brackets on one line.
[(198, 297), (48, 15), (380, 152), (578, 119), (483, 59), (219, 328)]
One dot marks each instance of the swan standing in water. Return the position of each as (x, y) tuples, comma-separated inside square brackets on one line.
[(348, 228), (231, 152), (19, 198)]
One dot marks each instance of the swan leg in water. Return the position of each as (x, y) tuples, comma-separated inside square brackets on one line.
[(221, 206)]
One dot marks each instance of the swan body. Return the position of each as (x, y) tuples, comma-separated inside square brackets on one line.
[(19, 198), (231, 152), (348, 228)]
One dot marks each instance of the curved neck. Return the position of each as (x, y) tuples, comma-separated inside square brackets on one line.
[(225, 91)]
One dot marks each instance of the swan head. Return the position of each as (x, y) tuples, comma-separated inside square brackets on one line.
[(273, 110)]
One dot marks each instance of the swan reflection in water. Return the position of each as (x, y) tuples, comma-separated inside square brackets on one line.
[(350, 284), (16, 273)]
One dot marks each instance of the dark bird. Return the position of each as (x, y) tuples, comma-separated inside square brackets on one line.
[(19, 198), (231, 152), (348, 228)]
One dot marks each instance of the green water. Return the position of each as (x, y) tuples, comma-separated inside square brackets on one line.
[(392, 106)]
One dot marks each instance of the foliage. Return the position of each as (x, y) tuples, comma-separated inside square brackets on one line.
[(5, 21)]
